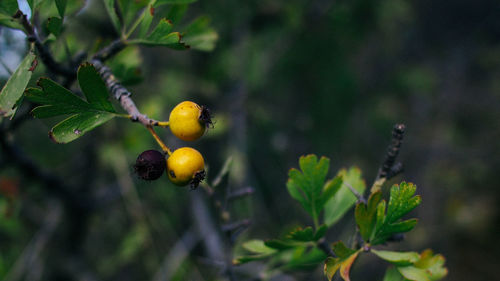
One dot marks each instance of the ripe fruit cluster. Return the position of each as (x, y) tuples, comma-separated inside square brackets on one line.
[(185, 165)]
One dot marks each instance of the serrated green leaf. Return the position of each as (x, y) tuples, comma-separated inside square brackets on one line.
[(392, 274), (176, 13), (343, 262), (259, 250), (401, 202), (46, 111), (8, 7), (54, 25), (200, 36), (161, 36), (301, 234), (433, 265), (77, 125), (258, 247), (61, 7), (56, 100), (398, 258), (331, 188), (320, 232), (94, 88), (306, 185), (110, 8), (341, 250), (414, 266), (162, 29), (366, 215), (146, 21), (304, 259), (279, 244), (14, 88), (413, 273), (54, 94), (343, 200)]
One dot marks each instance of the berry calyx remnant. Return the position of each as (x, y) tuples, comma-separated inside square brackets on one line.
[(150, 165)]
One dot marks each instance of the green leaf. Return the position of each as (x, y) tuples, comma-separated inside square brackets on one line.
[(10, 22), (320, 232), (343, 262), (113, 14), (433, 265), (307, 185), (54, 25), (392, 274), (413, 273), (199, 35), (301, 234), (8, 7), (280, 244), (77, 125), (126, 66), (146, 21), (129, 9), (303, 259), (55, 94), (161, 36), (55, 100), (413, 266), (343, 200), (163, 2), (176, 13), (94, 88), (401, 202), (258, 249), (61, 7), (14, 88), (398, 258), (366, 215), (331, 188)]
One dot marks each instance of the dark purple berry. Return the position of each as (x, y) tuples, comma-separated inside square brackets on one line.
[(150, 165)]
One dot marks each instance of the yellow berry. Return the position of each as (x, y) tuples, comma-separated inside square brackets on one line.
[(188, 120), (186, 166)]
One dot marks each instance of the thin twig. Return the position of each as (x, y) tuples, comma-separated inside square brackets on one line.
[(358, 195), (121, 94), (43, 52), (389, 168), (324, 246)]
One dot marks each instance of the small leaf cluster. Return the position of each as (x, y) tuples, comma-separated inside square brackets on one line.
[(84, 115), (153, 25), (327, 201), (377, 223)]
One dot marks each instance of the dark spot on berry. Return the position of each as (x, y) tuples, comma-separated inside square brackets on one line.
[(150, 165), (205, 117), (198, 177), (172, 174)]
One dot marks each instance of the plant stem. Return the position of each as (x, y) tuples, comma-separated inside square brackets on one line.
[(163, 146)]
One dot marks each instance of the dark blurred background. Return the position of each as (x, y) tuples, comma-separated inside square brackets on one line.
[(286, 78)]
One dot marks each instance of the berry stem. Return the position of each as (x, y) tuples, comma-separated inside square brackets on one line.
[(162, 123), (163, 146)]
